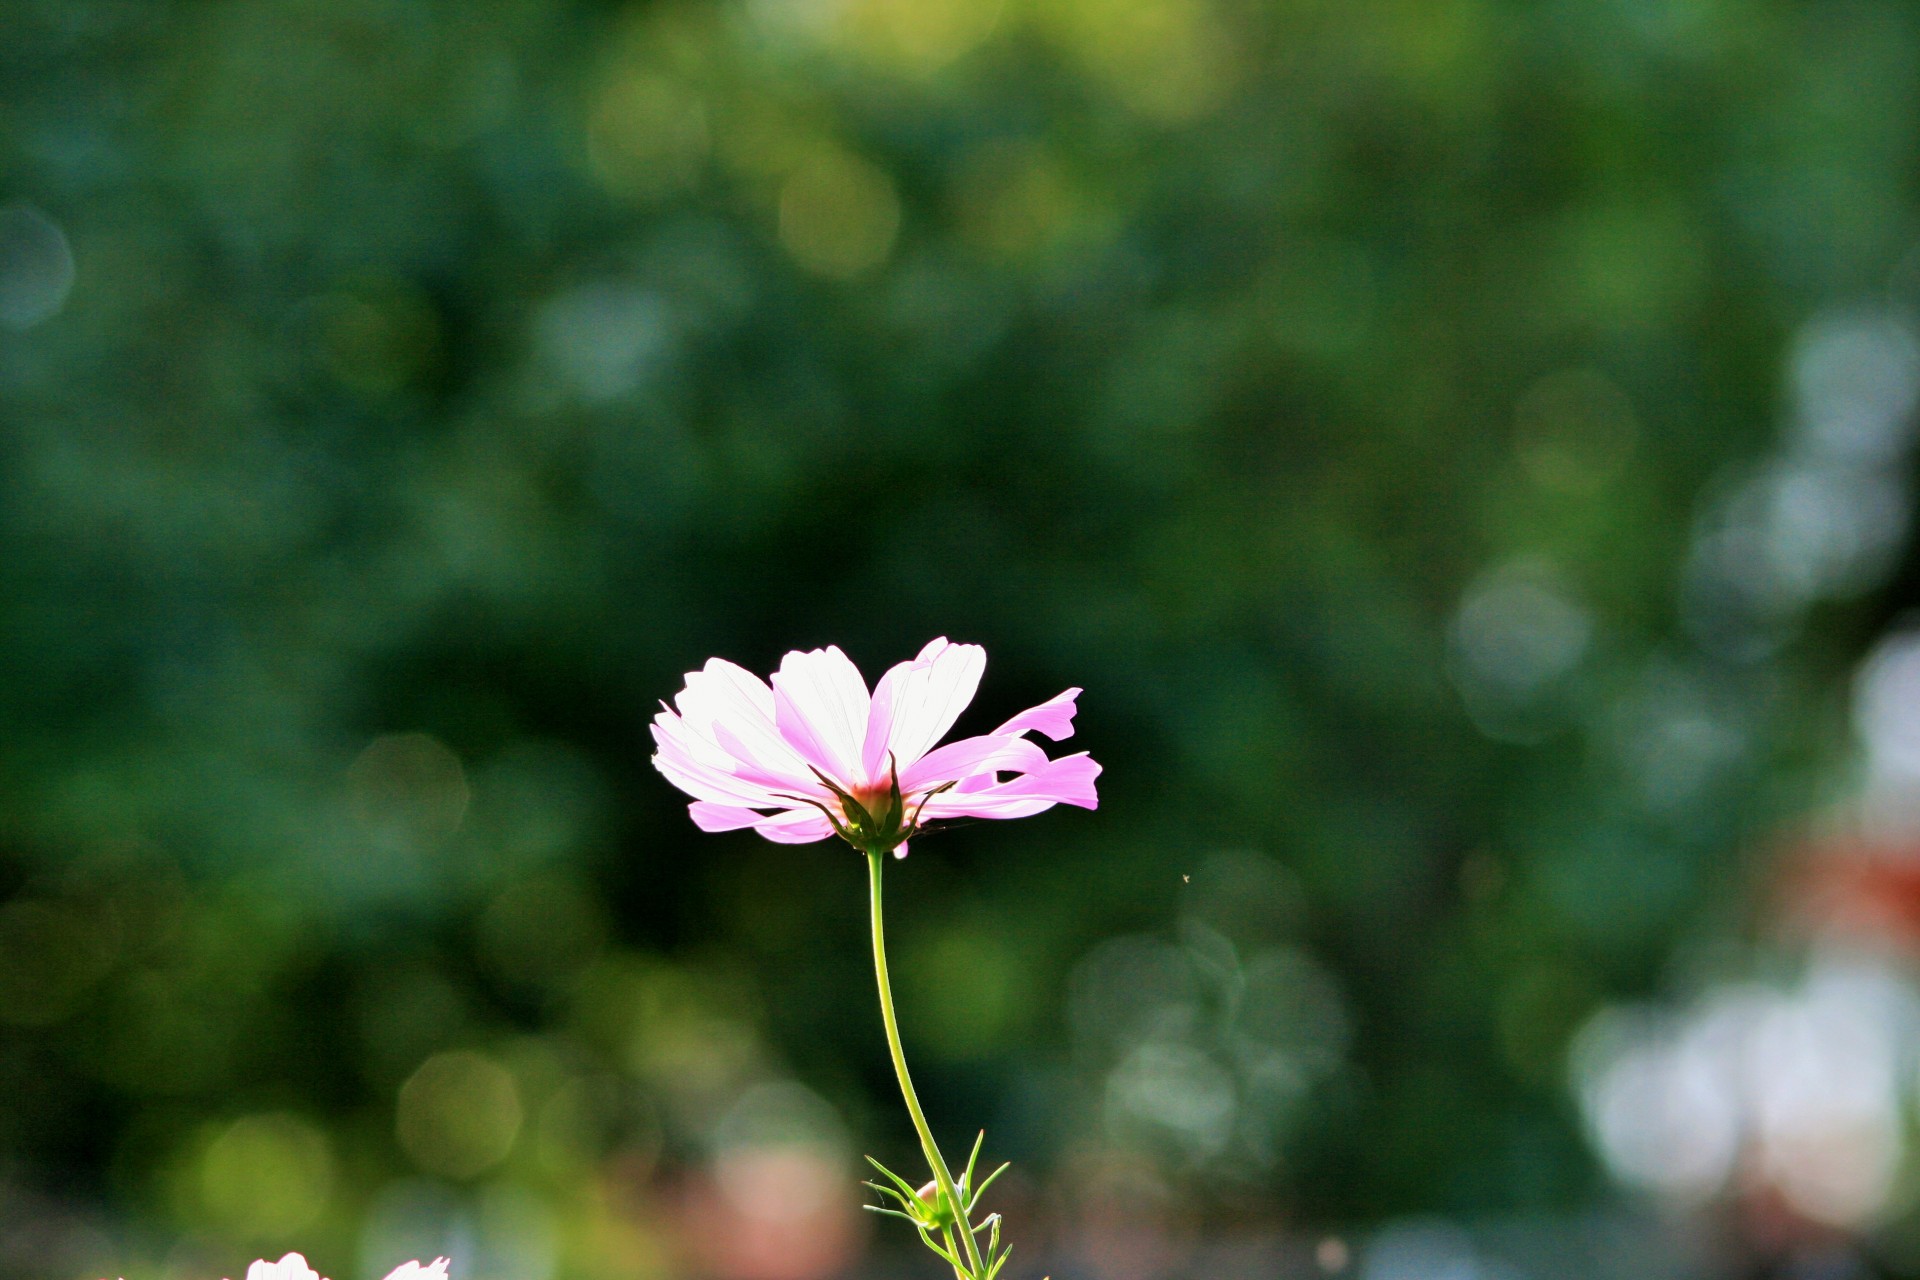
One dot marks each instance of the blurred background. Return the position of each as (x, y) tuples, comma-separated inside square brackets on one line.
[(1465, 450)]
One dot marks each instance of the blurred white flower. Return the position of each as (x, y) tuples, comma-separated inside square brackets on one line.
[(435, 1270), (294, 1267), (291, 1267)]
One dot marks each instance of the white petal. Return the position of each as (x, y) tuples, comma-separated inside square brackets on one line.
[(724, 696), (291, 1267), (435, 1270), (931, 697), (821, 706), (689, 766)]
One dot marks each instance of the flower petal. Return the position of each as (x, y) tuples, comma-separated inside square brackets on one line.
[(1068, 780), (722, 697), (672, 733), (957, 761), (886, 692), (435, 1270), (709, 816), (931, 697), (291, 1267), (1054, 717), (820, 705), (795, 826), (701, 769), (783, 782)]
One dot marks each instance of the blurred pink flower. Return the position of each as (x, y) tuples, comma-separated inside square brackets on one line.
[(817, 754), (294, 1267)]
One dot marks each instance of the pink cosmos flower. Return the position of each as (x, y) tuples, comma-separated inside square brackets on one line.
[(817, 754), (294, 1267)]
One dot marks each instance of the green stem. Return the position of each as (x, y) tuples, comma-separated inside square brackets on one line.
[(947, 1235), (942, 1179)]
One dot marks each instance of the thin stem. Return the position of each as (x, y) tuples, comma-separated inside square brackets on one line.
[(947, 1235), (943, 1180)]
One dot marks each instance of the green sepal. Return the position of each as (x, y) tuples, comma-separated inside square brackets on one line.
[(966, 1175), (889, 1191), (896, 808), (856, 812), (912, 1191), (989, 1182), (927, 1240), (833, 819)]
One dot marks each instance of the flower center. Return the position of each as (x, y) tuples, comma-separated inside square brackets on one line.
[(876, 799), (887, 813), (873, 817)]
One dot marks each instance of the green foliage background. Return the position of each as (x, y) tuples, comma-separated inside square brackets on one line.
[(440, 381)]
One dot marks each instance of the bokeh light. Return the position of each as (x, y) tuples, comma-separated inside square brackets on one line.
[(266, 1177), (838, 215), (36, 267), (459, 1114)]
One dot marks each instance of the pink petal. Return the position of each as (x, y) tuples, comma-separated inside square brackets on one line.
[(886, 692), (796, 826), (722, 696), (969, 757), (820, 707), (701, 769), (1068, 780), (931, 696), (673, 734), (783, 782), (1054, 717), (722, 746), (722, 817)]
